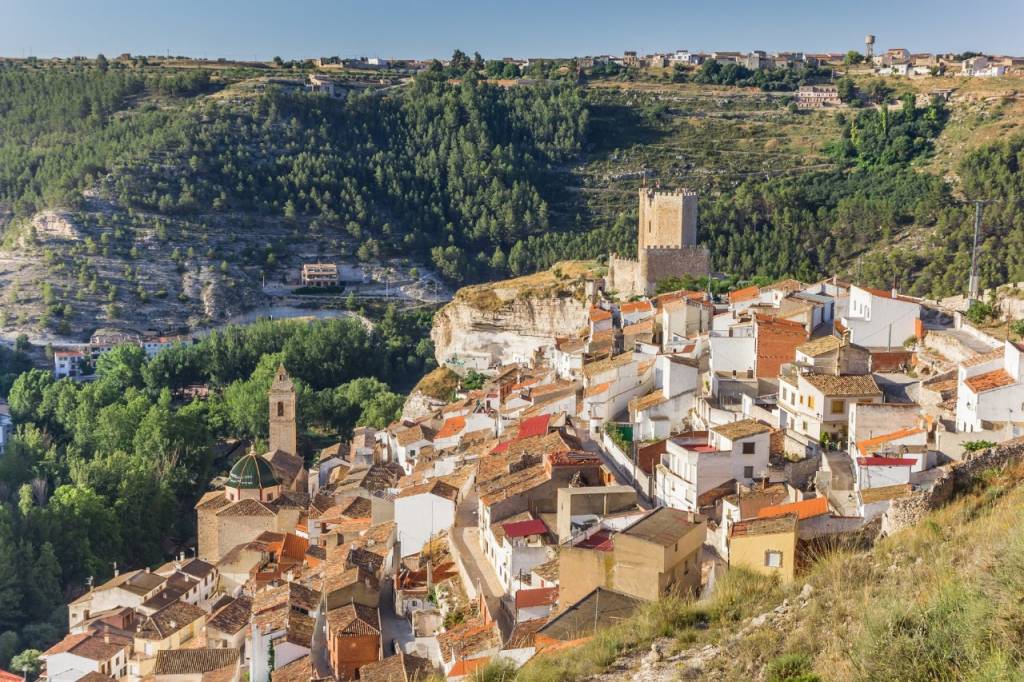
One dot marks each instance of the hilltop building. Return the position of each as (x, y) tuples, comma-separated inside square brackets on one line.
[(666, 244)]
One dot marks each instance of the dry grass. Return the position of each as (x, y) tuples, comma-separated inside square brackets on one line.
[(440, 383), (563, 278)]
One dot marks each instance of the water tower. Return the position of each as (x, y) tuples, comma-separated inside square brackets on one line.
[(869, 47)]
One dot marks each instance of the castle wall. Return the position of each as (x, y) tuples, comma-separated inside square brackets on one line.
[(657, 263), (667, 219), (624, 277)]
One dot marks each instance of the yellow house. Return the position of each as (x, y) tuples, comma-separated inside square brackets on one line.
[(766, 546), (172, 627)]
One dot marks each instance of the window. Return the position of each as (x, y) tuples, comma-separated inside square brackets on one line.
[(280, 409), (805, 426), (838, 406), (748, 472), (810, 401), (773, 558), (748, 448)]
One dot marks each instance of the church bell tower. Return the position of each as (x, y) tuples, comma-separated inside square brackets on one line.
[(283, 427)]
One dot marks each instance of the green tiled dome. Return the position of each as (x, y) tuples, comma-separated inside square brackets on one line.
[(251, 472)]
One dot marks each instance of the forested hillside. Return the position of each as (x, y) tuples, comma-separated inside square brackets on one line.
[(108, 471)]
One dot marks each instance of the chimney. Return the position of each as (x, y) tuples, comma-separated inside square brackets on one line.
[(116, 572), (895, 292)]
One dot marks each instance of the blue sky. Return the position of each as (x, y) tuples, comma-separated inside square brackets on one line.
[(247, 29)]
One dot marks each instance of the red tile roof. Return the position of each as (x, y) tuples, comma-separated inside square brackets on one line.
[(9, 677), (541, 596), (451, 427), (635, 307), (599, 314), (885, 462), (534, 426), (601, 541), (744, 294), (521, 529), (466, 666), (805, 509), (989, 381), (865, 446)]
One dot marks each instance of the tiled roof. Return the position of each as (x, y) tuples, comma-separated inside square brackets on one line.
[(599, 314), (744, 294), (435, 487), (194, 661), (353, 619), (741, 429), (652, 399), (534, 426), (845, 385), (451, 427), (414, 434), (540, 596), (523, 634), (869, 445), (635, 307), (468, 638), (785, 285), (765, 526), (246, 507), (169, 620), (593, 368), (982, 358), (805, 509), (820, 346), (989, 381), (233, 617), (548, 570), (597, 389), (401, 667), (299, 670)]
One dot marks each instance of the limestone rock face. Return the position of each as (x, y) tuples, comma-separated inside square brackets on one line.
[(508, 321)]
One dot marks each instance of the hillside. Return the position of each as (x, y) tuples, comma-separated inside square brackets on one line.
[(937, 600), (157, 195)]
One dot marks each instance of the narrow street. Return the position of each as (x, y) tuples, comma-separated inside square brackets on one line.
[(392, 626), (318, 654), (466, 540)]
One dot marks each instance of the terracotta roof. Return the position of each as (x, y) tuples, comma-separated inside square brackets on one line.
[(599, 314), (169, 620), (652, 399), (982, 358), (353, 619), (246, 507), (744, 294), (593, 368), (299, 670), (597, 389), (868, 445), (195, 661), (467, 666), (11, 677), (820, 346), (451, 427), (468, 638), (523, 634), (741, 429), (540, 596), (548, 570), (765, 526), (785, 285), (635, 307), (513, 484), (413, 434), (435, 487), (989, 381), (845, 385), (888, 492), (233, 617), (805, 509), (401, 667)]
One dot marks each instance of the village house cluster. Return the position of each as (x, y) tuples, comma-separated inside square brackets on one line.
[(674, 436), (80, 360)]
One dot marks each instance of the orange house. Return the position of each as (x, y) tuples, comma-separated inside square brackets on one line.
[(353, 639)]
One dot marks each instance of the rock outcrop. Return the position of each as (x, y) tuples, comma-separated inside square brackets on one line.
[(504, 322)]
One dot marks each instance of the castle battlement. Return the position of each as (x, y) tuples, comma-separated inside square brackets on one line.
[(669, 193), (659, 247)]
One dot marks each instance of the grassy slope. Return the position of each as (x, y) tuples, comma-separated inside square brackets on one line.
[(939, 601)]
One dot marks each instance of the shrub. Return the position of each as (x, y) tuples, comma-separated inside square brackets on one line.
[(975, 445), (790, 668), (1017, 327), (979, 312)]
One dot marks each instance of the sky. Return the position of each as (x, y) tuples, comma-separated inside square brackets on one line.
[(261, 29)]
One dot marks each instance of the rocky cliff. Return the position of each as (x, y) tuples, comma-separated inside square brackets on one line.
[(506, 321)]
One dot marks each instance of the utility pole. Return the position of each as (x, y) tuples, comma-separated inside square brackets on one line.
[(972, 285)]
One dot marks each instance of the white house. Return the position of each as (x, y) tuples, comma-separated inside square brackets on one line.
[(407, 442), (982, 67), (880, 472), (422, 511), (894, 430), (880, 319), (695, 464), (6, 425), (635, 311), (664, 410), (990, 390), (68, 363), (78, 655), (815, 405), (567, 358), (610, 384), (520, 544)]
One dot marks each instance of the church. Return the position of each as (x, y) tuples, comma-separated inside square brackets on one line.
[(666, 245), (263, 492)]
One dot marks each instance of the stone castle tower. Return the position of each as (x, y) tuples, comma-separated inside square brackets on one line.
[(283, 425), (666, 244)]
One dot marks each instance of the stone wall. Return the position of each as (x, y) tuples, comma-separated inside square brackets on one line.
[(624, 276), (909, 511), (657, 263)]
